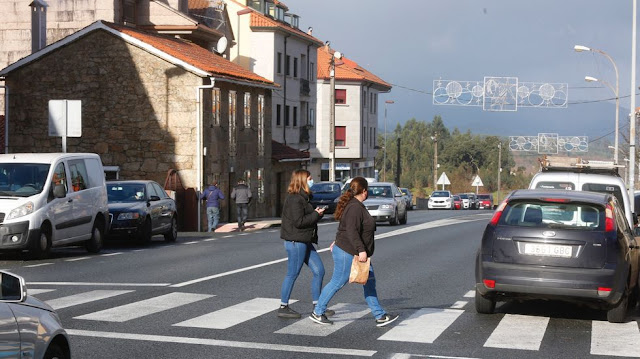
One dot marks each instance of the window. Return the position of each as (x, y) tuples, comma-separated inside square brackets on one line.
[(341, 96), (278, 116), (295, 116), (375, 103), (232, 123), (295, 67), (160, 191), (260, 125), (312, 117), (287, 63), (371, 102), (312, 71), (279, 62), (215, 106), (364, 99), (279, 13), (78, 175), (60, 177), (286, 115), (364, 134), (247, 109), (303, 67), (341, 136), (261, 185)]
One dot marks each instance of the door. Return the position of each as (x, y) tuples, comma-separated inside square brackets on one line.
[(9, 336), (61, 209)]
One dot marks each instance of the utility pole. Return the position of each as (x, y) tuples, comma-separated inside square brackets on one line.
[(398, 170), (499, 168), (435, 159), (632, 123)]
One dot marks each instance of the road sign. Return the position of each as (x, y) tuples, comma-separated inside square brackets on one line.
[(477, 182), (443, 180)]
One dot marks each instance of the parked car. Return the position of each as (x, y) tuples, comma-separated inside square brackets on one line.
[(574, 246), (141, 209), (457, 202), (29, 328), (386, 203), (440, 199), (464, 200), (409, 197), (325, 194), (485, 201), (52, 199), (474, 203)]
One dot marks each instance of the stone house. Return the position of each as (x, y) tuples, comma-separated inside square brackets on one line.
[(150, 104)]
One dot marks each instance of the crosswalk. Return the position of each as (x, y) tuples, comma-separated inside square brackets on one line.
[(422, 326)]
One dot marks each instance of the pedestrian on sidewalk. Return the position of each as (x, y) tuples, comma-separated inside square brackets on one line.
[(242, 195), (299, 230), (212, 195), (354, 238)]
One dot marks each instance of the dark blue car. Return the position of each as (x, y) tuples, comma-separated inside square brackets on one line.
[(324, 194)]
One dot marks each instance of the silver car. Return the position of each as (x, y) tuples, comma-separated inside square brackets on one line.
[(386, 203), (29, 328)]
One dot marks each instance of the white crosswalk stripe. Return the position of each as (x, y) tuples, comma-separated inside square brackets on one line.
[(236, 314), (345, 314), (145, 307), (86, 297), (618, 339), (424, 326), (518, 332), (35, 292)]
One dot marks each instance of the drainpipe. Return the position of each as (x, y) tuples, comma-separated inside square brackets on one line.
[(6, 117), (199, 141), (284, 89)]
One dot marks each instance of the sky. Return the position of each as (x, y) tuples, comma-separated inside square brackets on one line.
[(411, 43)]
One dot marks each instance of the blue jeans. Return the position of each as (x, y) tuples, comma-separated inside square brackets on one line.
[(213, 214), (341, 270), (297, 254), (242, 210)]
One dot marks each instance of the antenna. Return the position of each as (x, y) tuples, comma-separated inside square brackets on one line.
[(221, 45)]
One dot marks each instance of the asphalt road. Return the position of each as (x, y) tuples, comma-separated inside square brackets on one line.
[(216, 296)]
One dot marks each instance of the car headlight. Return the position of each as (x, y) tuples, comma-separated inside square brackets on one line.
[(128, 216), (448, 200), (386, 206), (23, 210)]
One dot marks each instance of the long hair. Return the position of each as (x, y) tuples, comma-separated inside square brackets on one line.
[(299, 182), (357, 186)]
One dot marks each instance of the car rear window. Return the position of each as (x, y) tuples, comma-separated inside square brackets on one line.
[(581, 216), (484, 196), (570, 186)]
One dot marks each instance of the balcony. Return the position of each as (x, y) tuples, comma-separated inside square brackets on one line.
[(305, 90)]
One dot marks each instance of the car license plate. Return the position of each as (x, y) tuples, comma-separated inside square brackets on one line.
[(547, 250)]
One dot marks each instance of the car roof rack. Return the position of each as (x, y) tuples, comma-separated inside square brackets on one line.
[(577, 164)]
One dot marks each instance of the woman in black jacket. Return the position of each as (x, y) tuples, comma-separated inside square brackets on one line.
[(300, 231), (354, 238)]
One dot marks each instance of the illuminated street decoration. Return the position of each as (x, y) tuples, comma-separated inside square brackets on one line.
[(500, 94), (549, 143)]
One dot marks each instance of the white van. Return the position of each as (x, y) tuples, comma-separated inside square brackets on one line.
[(52, 199), (584, 175)]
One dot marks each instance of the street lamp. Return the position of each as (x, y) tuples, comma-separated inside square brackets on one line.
[(384, 160), (580, 48)]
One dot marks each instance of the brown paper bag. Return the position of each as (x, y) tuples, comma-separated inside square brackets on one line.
[(359, 271)]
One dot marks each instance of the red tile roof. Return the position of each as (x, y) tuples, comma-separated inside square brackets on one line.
[(349, 70), (259, 20), (280, 152), (192, 54)]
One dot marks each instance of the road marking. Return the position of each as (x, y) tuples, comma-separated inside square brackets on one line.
[(345, 314), (103, 284), (518, 332), (409, 356), (419, 227), (38, 291), (228, 236), (110, 254), (76, 259), (459, 304), (470, 294), (424, 326), (209, 239), (233, 315), (192, 242), (143, 308), (38, 265), (618, 339), (316, 350), (86, 297)]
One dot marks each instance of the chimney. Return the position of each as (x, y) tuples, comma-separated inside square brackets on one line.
[(310, 31), (38, 25)]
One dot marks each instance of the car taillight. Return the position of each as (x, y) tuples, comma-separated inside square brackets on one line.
[(498, 213), (609, 223), (489, 283), (556, 200), (604, 291)]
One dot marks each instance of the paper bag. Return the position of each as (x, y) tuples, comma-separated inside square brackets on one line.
[(359, 271)]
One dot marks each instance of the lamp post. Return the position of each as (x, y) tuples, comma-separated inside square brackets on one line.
[(580, 48), (435, 160), (384, 158)]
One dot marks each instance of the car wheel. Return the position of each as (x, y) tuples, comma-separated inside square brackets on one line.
[(42, 247), (619, 313), (403, 220), (172, 234), (54, 352), (484, 305), (394, 220), (94, 244), (144, 237)]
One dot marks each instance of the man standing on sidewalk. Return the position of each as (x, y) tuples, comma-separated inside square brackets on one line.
[(242, 195), (213, 195)]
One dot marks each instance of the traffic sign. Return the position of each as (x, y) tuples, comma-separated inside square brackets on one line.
[(477, 182), (443, 180)]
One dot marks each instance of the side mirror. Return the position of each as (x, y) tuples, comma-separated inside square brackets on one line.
[(12, 287), (59, 191), (154, 198)]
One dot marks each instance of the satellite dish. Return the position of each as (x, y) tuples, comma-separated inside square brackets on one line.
[(337, 55), (221, 46)]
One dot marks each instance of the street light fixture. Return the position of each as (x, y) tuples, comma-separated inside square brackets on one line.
[(384, 160), (581, 48)]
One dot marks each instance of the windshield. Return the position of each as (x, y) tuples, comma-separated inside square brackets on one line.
[(405, 191), (440, 194), (22, 179), (380, 191), (456, 198), (325, 188), (464, 196), (126, 192)]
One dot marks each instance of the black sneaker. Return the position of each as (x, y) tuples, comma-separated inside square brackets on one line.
[(286, 312), (320, 319), (328, 312), (387, 319)]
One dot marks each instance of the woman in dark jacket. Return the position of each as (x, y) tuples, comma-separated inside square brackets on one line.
[(300, 231), (354, 238)]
